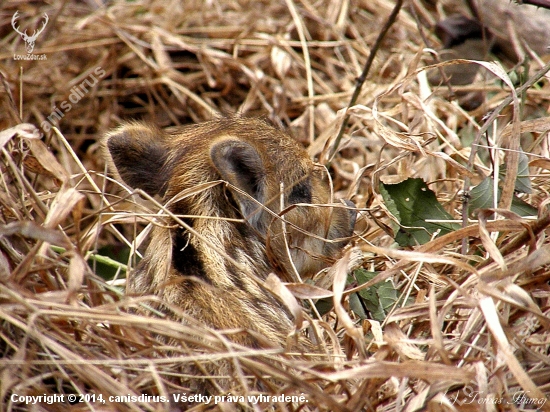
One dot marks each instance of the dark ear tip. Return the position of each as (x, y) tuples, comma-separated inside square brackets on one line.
[(115, 140), (226, 148), (234, 152), (130, 131), (119, 140), (139, 154), (218, 150), (223, 153)]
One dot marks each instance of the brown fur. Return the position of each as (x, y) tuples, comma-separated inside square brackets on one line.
[(188, 266)]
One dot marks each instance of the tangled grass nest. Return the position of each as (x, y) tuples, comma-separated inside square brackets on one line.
[(469, 327)]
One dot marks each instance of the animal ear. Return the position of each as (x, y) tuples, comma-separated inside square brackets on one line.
[(139, 153), (240, 164)]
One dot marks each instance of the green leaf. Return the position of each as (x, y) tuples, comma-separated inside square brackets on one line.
[(376, 300), (482, 197), (523, 182), (357, 306), (109, 261), (412, 203), (324, 305)]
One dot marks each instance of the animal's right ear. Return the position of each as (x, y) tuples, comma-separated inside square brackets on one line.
[(241, 165), (139, 153)]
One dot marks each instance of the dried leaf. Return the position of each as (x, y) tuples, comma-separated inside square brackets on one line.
[(33, 231), (47, 160), (488, 243), (431, 372), (339, 271), (542, 163), (274, 284), (307, 291), (77, 269), (24, 130), (281, 61), (63, 204), (399, 341), (488, 308)]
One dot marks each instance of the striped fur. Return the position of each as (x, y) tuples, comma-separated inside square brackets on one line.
[(237, 218)]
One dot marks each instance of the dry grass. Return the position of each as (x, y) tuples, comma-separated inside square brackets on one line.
[(473, 314)]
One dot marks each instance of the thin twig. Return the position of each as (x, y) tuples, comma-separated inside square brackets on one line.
[(361, 79)]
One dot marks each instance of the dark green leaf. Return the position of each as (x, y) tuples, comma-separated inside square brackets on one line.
[(324, 305), (523, 182), (356, 305), (413, 203), (377, 300), (482, 197), (109, 261)]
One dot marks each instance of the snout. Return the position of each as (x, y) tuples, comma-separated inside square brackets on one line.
[(342, 225), (352, 213)]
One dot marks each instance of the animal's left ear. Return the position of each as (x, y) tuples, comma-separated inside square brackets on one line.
[(139, 153), (240, 164)]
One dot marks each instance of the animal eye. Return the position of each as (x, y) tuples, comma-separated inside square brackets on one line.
[(301, 192)]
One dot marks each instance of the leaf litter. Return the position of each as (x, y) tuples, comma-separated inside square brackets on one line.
[(470, 311)]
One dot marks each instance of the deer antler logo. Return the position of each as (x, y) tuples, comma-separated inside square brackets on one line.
[(29, 40)]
